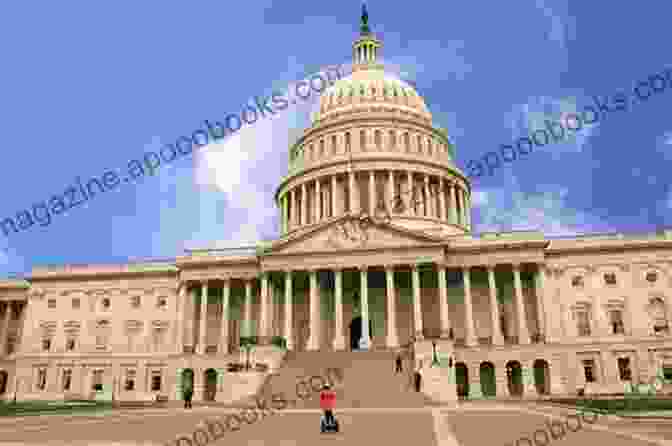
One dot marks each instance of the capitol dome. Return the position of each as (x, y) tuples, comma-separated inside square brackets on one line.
[(372, 151), (368, 85)]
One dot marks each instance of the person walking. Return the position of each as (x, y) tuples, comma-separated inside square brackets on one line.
[(327, 403), (418, 377), (188, 393), (398, 362)]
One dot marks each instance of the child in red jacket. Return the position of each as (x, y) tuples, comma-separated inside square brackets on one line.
[(327, 403)]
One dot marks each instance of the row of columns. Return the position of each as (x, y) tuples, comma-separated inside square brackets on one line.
[(452, 207), (392, 339)]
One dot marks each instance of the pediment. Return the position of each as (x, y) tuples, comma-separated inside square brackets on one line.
[(353, 233)]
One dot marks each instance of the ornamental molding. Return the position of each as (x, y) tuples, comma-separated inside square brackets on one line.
[(351, 233)]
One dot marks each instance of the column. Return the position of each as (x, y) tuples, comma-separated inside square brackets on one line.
[(470, 337), (453, 204), (417, 305), (288, 311), (372, 193), (365, 342), (318, 202), (339, 337), (427, 208), (332, 195), (313, 338), (180, 316), (497, 338), (204, 318), (263, 310), (523, 334), (467, 209), (352, 193), (409, 193), (392, 337), (443, 302), (224, 333), (4, 330), (295, 207), (304, 205), (248, 309), (390, 192), (541, 310), (442, 201)]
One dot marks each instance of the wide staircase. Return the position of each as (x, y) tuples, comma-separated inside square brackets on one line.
[(367, 379)]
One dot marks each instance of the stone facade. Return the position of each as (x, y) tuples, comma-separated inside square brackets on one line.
[(375, 252)]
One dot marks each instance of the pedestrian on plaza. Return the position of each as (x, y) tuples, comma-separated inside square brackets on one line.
[(398, 363), (327, 403), (418, 377), (188, 393)]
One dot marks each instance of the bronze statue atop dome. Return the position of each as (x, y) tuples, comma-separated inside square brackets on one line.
[(364, 28)]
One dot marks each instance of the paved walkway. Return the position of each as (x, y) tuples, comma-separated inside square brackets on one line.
[(469, 425)]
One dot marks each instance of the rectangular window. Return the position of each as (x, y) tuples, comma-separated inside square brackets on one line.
[(46, 345), (67, 379), (41, 379), (135, 301), (97, 381), (101, 342), (75, 303), (589, 370), (156, 381), (161, 302), (624, 370), (617, 326), (583, 323), (70, 345), (51, 303), (130, 380)]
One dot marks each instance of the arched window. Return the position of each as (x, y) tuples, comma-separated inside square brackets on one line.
[(347, 142), (658, 316), (407, 142), (378, 140), (334, 149), (322, 148), (362, 139)]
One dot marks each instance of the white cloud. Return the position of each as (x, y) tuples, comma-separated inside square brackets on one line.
[(546, 210)]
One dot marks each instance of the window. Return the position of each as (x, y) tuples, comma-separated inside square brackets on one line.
[(75, 303), (51, 303), (333, 145), (161, 302), (135, 301), (419, 138), (624, 370), (429, 147), (322, 148), (610, 279), (67, 379), (658, 316), (97, 381), (129, 384), (70, 345), (46, 344), (11, 343), (651, 276), (106, 303), (362, 139), (347, 141), (41, 379), (577, 281), (379, 140), (156, 381), (101, 342), (616, 317), (393, 139), (407, 142), (667, 373), (589, 370), (583, 323)]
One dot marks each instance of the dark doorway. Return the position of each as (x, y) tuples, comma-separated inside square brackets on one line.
[(514, 377), (356, 332), (541, 377), (187, 380), (488, 383), (462, 380), (210, 385), (4, 377)]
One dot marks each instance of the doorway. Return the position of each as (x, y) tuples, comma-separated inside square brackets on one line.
[(488, 383), (356, 332), (187, 381), (210, 385)]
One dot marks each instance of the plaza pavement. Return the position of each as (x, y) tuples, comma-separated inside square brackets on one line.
[(480, 424)]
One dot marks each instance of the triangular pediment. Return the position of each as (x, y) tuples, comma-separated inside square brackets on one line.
[(352, 233)]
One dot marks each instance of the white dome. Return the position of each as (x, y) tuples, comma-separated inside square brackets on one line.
[(366, 87)]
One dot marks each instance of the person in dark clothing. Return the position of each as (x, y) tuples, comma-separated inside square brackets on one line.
[(398, 362), (417, 377), (188, 393)]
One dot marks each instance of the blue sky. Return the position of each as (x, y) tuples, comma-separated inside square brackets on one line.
[(87, 88)]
